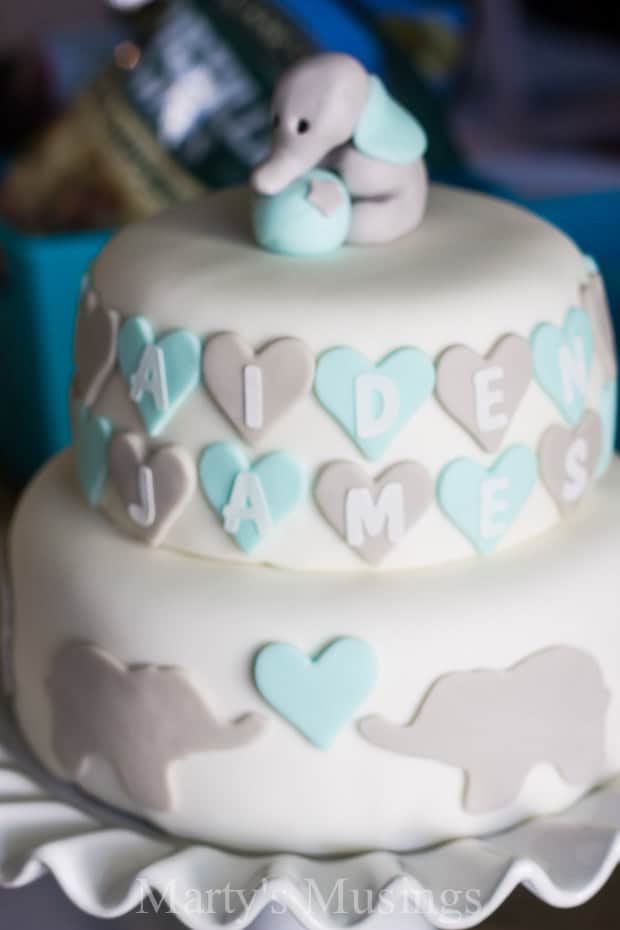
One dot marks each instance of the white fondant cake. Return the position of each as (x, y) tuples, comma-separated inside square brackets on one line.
[(305, 444), (78, 580)]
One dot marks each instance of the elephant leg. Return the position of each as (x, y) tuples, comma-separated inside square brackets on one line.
[(369, 179), (388, 200), (145, 779), (488, 790), (583, 766), (383, 220), (69, 747)]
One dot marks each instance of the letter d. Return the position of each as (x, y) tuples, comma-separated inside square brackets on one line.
[(377, 404)]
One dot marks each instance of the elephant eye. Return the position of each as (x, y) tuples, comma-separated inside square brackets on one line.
[(303, 126), (276, 121)]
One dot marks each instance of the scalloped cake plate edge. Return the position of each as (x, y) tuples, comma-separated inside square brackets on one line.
[(107, 865)]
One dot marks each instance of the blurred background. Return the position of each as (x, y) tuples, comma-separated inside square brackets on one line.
[(115, 109)]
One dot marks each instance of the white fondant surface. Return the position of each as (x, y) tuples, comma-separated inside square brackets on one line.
[(476, 270), (77, 578)]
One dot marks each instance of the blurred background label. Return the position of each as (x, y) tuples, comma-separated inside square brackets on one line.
[(185, 104)]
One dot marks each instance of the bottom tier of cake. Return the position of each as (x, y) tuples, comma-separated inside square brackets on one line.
[(258, 709)]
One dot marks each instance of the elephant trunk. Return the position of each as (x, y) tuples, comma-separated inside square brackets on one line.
[(412, 740), (280, 170)]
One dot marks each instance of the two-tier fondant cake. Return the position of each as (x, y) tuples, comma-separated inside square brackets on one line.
[(345, 581)]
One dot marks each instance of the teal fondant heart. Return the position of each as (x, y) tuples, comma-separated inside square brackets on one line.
[(91, 440), (318, 696), (403, 381), (181, 368), (563, 359), (281, 484), (608, 412), (483, 503)]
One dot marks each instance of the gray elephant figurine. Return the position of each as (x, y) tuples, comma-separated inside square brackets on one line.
[(329, 113)]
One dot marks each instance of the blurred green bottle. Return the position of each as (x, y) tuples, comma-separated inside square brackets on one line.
[(184, 108)]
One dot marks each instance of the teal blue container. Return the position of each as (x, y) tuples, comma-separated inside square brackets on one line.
[(39, 294)]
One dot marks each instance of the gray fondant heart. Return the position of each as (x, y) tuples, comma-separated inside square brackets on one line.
[(338, 480), (155, 487), (593, 298), (457, 371), (95, 347), (569, 459), (277, 377)]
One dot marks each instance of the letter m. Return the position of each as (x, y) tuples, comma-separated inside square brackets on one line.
[(366, 517)]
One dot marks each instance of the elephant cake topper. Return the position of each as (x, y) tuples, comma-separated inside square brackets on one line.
[(347, 162)]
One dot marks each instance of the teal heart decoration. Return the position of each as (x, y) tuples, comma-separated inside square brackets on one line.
[(181, 352), (459, 491), (91, 441), (410, 371), (282, 481), (320, 695), (608, 412), (548, 345)]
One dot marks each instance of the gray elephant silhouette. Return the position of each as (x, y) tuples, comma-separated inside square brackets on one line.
[(496, 725), (141, 719), (328, 112)]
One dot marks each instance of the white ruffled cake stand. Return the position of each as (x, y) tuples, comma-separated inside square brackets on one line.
[(109, 865)]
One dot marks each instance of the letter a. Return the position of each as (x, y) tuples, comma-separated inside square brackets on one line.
[(150, 378)]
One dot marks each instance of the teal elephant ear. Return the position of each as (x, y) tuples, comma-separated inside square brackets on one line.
[(388, 132)]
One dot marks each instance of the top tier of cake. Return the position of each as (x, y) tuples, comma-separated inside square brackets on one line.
[(390, 407)]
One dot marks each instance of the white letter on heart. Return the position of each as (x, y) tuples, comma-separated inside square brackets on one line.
[(573, 370), (569, 458), (365, 517), (368, 389), (593, 299), (256, 389), (155, 488), (483, 394), (247, 502), (253, 397), (144, 512), (151, 378), (490, 399), (95, 347), (373, 515), (493, 503)]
